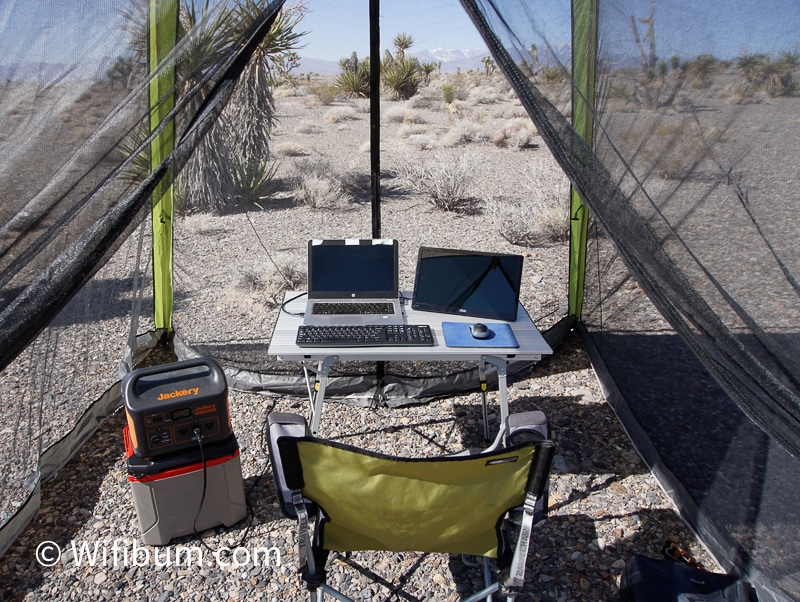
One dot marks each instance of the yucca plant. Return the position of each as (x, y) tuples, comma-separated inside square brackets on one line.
[(240, 137), (254, 180), (402, 78), (354, 82)]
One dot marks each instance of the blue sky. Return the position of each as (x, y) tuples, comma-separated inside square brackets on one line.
[(339, 27), (65, 30), (725, 28)]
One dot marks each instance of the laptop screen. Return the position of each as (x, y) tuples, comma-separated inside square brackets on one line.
[(352, 268), (468, 283)]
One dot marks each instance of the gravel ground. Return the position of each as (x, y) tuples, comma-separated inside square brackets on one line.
[(604, 507), (604, 504)]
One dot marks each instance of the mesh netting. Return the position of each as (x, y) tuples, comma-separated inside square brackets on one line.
[(74, 171), (691, 300), (690, 189)]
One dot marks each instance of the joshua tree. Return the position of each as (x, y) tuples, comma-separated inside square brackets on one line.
[(427, 69), (648, 60), (238, 144), (402, 42)]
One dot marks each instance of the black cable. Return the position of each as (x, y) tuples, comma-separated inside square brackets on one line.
[(285, 303), (198, 435)]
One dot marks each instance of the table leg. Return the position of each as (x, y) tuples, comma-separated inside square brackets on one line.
[(482, 375), (502, 387), (319, 391)]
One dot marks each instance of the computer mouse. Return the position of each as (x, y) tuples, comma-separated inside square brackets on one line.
[(480, 331)]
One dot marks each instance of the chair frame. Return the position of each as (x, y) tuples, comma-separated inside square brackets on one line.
[(312, 556)]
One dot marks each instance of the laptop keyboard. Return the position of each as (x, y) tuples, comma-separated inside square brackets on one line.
[(352, 308), (364, 336)]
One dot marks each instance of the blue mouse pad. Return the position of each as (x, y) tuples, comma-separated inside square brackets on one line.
[(457, 334)]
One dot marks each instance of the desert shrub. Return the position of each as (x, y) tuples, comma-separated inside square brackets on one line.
[(486, 96), (404, 115), (515, 134), (462, 133), (315, 185), (394, 115), (702, 69), (448, 93), (340, 114), (620, 89), (325, 94), (445, 181), (529, 223), (308, 127), (408, 130), (271, 288), (421, 141), (289, 149), (553, 75), (539, 214), (426, 101)]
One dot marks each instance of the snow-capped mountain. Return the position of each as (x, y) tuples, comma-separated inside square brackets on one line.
[(447, 55), (451, 61)]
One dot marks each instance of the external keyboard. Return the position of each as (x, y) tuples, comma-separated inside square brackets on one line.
[(330, 307), (365, 336)]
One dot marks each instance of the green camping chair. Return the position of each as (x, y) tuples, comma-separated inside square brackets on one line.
[(447, 504)]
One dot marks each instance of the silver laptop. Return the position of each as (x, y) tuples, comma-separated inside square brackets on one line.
[(353, 281)]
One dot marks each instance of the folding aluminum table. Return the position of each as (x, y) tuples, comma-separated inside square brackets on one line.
[(531, 348)]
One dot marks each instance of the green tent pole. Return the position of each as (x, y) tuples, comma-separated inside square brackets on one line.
[(162, 38), (584, 57)]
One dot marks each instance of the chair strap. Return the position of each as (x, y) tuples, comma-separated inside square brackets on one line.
[(302, 529), (516, 576)]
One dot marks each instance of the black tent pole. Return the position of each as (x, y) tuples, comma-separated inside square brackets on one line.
[(375, 113), (375, 136)]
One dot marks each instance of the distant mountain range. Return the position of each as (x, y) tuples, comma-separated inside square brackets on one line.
[(451, 60), (55, 72)]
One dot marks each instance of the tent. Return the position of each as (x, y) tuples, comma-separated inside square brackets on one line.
[(678, 138)]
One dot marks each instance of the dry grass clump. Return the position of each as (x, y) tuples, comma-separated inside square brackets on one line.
[(462, 133), (513, 112), (427, 101), (340, 114), (403, 114), (291, 92), (541, 216), (324, 94), (485, 96), (518, 133), (289, 149), (421, 142), (308, 127), (317, 186), (671, 150), (530, 223), (270, 289), (407, 130), (445, 181)]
